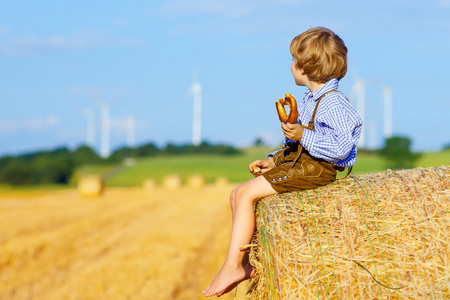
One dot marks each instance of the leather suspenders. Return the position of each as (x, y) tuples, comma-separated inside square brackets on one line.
[(311, 123)]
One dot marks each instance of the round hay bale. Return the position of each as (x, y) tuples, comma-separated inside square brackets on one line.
[(90, 186), (172, 181), (376, 236), (221, 182), (149, 184), (196, 181)]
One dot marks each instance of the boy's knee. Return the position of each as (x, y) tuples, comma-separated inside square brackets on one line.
[(233, 196), (243, 194)]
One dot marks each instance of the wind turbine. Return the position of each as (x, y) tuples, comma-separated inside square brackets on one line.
[(387, 97), (358, 89), (105, 125), (90, 127), (196, 92)]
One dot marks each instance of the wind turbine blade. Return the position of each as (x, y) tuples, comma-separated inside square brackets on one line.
[(130, 127), (90, 127), (197, 114), (387, 97), (104, 149)]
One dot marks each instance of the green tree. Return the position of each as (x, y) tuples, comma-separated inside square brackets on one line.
[(258, 142), (47, 170), (5, 161), (16, 173), (85, 155), (121, 153), (446, 147), (171, 149), (54, 166), (397, 153), (146, 150)]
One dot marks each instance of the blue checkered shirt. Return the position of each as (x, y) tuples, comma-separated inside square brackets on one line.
[(337, 126)]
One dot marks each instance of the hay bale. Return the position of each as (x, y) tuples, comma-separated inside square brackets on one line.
[(221, 182), (376, 236), (90, 186), (196, 181), (149, 184), (172, 181)]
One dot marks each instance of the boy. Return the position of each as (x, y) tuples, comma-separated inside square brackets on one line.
[(312, 153)]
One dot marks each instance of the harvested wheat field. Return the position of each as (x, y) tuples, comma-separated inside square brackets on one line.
[(375, 236), (126, 244)]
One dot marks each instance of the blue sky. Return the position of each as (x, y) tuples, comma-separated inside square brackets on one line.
[(61, 58)]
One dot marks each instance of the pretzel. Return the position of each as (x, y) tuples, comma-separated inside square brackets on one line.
[(293, 114), (256, 169)]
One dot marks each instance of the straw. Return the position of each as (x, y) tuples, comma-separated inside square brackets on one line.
[(375, 236)]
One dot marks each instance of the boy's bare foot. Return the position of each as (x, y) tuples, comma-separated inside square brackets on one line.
[(227, 279), (249, 273), (223, 280)]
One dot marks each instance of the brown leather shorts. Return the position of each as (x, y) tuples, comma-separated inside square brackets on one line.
[(297, 170)]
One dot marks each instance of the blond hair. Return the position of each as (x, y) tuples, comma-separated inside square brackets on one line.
[(321, 54)]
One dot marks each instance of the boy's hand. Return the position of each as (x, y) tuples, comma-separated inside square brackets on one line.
[(264, 165), (292, 131)]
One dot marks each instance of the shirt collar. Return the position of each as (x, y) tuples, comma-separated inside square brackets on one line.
[(332, 84)]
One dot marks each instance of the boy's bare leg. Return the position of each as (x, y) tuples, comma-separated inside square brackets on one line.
[(249, 273), (233, 199), (232, 270)]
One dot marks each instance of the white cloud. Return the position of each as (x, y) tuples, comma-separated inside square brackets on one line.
[(82, 91), (226, 8), (97, 93), (3, 30), (39, 124), (27, 45), (128, 42), (7, 126), (200, 17), (36, 124), (120, 126), (443, 3), (121, 22), (230, 8), (79, 40)]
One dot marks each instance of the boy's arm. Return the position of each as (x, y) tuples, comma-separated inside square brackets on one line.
[(292, 131), (336, 134), (259, 167)]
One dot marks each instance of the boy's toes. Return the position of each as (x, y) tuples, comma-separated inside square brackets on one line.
[(207, 292)]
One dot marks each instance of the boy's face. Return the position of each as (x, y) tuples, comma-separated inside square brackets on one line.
[(299, 76)]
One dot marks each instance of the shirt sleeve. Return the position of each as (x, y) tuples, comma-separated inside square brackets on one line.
[(287, 142), (271, 154), (332, 138)]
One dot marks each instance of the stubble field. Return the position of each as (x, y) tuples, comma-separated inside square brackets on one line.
[(129, 243)]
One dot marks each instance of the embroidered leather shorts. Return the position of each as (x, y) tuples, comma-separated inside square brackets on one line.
[(297, 170)]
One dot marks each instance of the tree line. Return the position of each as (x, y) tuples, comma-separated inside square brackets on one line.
[(57, 166)]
